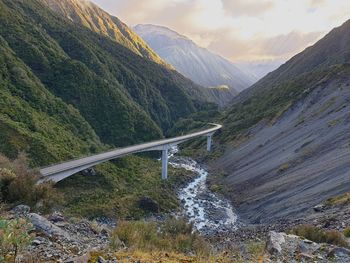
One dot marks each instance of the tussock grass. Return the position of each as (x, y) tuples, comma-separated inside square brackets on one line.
[(339, 200), (173, 235), (320, 236)]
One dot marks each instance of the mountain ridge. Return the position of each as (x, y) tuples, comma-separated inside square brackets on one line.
[(287, 136), (96, 19), (196, 63)]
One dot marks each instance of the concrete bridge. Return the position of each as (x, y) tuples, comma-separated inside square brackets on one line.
[(61, 171)]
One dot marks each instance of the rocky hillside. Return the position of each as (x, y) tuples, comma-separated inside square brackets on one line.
[(57, 238), (196, 63), (288, 135)]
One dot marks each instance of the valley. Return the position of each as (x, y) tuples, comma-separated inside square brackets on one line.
[(77, 81)]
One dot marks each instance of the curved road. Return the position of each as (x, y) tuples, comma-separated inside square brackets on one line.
[(61, 171)]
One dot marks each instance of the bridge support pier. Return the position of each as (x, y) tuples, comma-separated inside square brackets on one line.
[(165, 163), (209, 141)]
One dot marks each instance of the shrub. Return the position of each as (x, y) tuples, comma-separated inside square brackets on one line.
[(14, 236), (347, 232), (18, 185), (173, 235), (320, 236)]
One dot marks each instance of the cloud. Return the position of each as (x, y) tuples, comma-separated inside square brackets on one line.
[(239, 29), (247, 7)]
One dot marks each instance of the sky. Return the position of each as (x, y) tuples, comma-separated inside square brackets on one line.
[(240, 30)]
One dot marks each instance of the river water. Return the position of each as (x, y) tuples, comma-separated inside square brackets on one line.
[(209, 213)]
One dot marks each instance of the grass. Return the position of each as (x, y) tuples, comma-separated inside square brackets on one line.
[(171, 241), (173, 235), (320, 236), (347, 232), (118, 187), (339, 200)]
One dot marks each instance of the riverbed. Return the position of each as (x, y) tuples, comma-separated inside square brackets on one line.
[(208, 212)]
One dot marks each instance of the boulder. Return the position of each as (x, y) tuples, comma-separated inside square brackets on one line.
[(319, 208), (45, 226), (274, 243)]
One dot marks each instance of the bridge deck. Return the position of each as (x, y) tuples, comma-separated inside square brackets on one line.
[(60, 171)]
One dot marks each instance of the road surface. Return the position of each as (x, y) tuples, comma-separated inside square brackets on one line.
[(61, 171)]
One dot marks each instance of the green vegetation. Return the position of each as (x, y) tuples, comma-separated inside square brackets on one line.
[(33, 120), (14, 237), (347, 232), (18, 186), (99, 21), (119, 186), (124, 97), (339, 200), (273, 95), (265, 104), (68, 92), (320, 236), (173, 235)]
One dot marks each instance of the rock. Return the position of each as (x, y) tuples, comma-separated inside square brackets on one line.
[(304, 256), (307, 247), (81, 259), (274, 242), (56, 217), (45, 226), (21, 210), (148, 204), (38, 240), (319, 208), (101, 260), (89, 172), (339, 252)]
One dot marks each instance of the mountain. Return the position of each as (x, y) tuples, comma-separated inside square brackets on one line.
[(287, 137), (96, 19), (67, 91), (34, 120), (124, 97), (259, 68), (194, 62)]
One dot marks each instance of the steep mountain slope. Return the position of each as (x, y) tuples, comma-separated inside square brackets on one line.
[(330, 50), (32, 119), (124, 97), (196, 63), (288, 135), (90, 15), (67, 92)]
